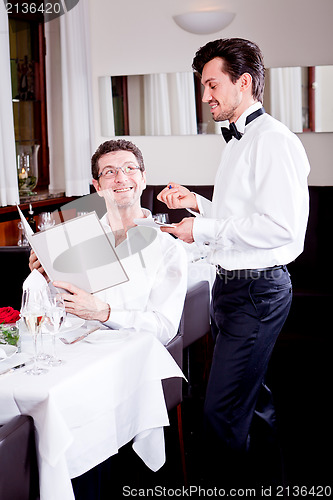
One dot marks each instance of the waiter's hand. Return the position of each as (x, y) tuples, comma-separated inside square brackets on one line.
[(35, 264), (83, 304), (176, 196), (183, 230)]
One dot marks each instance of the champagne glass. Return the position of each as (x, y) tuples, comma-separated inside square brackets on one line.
[(33, 314), (55, 317)]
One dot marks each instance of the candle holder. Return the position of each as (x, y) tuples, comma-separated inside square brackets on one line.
[(27, 166)]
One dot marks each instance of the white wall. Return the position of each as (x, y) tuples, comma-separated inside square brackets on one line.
[(131, 37)]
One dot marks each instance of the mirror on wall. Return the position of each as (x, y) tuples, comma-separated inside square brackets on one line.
[(170, 103)]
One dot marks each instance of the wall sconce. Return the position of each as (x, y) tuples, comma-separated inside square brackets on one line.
[(204, 22)]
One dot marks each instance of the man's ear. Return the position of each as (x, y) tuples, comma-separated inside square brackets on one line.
[(144, 178), (245, 82), (97, 187)]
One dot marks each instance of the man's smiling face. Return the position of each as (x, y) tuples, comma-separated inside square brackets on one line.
[(123, 190)]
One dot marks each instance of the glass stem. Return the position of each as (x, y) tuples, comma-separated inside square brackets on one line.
[(54, 346), (35, 352), (41, 343)]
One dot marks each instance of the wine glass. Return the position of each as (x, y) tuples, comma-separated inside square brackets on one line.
[(55, 317), (33, 314), (46, 221)]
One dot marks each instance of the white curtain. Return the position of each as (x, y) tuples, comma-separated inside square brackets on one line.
[(169, 104), (54, 108), (156, 108), (323, 99), (8, 172), (106, 106), (286, 96), (76, 99), (182, 103)]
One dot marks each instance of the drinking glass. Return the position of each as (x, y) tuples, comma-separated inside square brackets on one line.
[(162, 218), (46, 221), (55, 317), (33, 314), (22, 241)]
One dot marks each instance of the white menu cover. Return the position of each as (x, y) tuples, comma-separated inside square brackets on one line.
[(77, 251)]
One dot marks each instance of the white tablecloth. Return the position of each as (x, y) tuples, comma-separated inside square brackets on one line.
[(105, 395), (200, 270)]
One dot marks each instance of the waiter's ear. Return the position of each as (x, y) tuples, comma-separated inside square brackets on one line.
[(245, 81)]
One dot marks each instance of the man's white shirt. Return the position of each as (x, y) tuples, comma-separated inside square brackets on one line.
[(153, 298), (259, 211)]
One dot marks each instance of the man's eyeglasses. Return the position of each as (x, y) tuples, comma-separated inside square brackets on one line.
[(111, 172)]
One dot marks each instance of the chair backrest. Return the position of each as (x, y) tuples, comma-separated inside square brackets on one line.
[(15, 265), (19, 471), (195, 322), (172, 387)]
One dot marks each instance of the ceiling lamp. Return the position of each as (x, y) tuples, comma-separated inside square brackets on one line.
[(204, 22)]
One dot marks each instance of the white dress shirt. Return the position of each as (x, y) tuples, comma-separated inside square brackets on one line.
[(153, 298), (259, 211)]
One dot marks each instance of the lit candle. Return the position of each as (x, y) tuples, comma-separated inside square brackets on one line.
[(23, 174)]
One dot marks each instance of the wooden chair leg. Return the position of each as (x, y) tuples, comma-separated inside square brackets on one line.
[(181, 442)]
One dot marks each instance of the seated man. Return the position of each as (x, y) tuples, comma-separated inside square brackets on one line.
[(156, 264)]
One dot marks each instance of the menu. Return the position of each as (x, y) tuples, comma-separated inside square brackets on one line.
[(77, 251)]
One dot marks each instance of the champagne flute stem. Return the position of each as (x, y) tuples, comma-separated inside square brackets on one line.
[(41, 344), (54, 346), (35, 352)]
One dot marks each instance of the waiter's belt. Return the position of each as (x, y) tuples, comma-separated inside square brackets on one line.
[(248, 273)]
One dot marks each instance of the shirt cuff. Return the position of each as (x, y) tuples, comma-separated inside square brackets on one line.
[(204, 230)]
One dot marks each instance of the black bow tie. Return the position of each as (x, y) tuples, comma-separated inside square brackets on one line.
[(229, 133)]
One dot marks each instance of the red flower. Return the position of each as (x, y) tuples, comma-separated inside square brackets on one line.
[(8, 315)]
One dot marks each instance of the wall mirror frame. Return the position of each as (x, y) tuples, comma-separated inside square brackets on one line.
[(170, 103)]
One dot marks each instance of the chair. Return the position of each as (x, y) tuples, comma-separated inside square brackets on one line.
[(173, 393), (18, 462), (195, 322), (15, 264), (193, 325)]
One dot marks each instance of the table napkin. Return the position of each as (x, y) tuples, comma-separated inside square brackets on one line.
[(35, 281)]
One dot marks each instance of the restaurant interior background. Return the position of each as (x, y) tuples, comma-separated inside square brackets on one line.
[(294, 33), (131, 38), (147, 40)]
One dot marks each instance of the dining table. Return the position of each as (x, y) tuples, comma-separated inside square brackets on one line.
[(106, 393)]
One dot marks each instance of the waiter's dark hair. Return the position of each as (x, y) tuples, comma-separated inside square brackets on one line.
[(110, 147), (239, 56)]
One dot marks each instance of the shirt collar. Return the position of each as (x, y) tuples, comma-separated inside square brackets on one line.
[(240, 123), (105, 221)]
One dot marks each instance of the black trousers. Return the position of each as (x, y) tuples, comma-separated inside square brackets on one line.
[(247, 317)]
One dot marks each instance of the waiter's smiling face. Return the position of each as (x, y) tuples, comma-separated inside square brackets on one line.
[(223, 96)]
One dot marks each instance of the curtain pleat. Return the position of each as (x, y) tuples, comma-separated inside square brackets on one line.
[(9, 194), (76, 99), (286, 97)]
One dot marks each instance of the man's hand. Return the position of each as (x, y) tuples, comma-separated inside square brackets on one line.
[(183, 230), (176, 196), (35, 264), (83, 304)]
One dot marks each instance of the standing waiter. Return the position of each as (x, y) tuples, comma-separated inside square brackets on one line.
[(253, 227)]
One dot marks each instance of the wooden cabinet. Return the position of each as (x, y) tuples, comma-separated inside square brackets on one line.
[(9, 217)]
